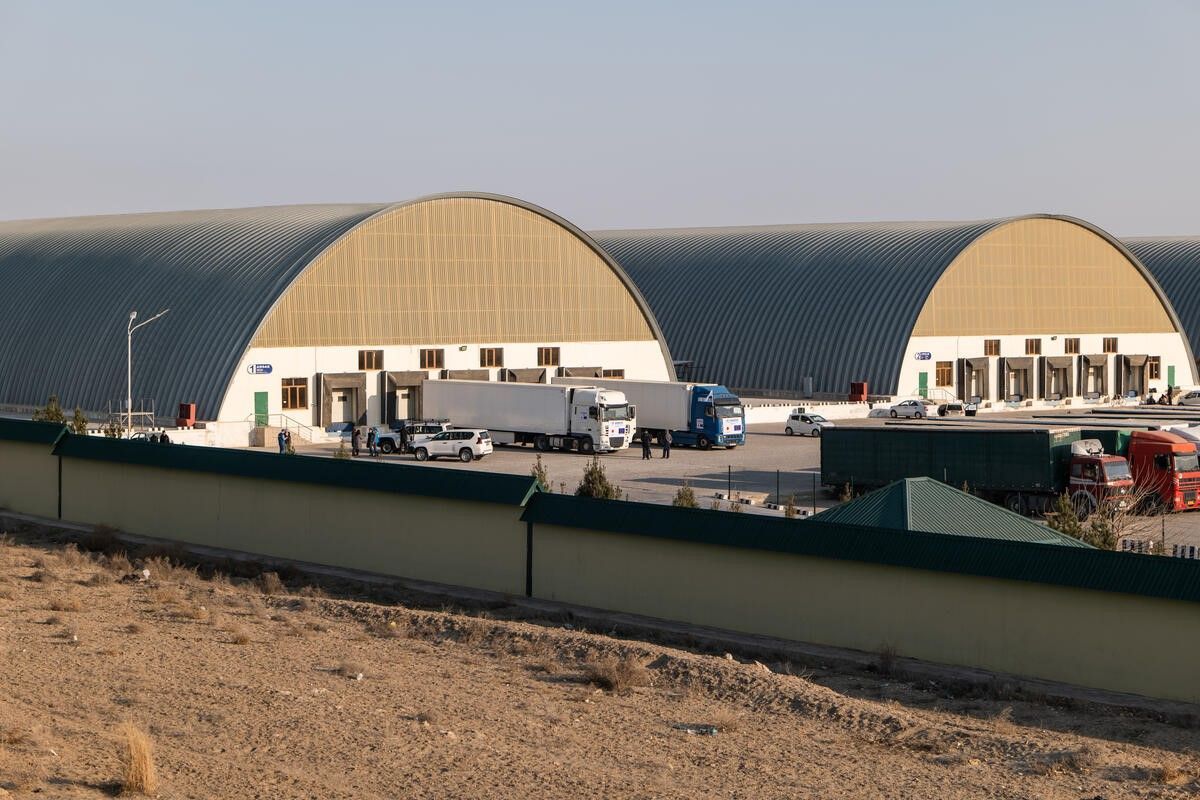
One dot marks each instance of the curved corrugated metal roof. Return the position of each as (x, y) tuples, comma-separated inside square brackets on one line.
[(761, 308), (69, 285), (1174, 261)]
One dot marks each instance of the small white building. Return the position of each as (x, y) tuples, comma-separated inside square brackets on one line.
[(312, 316)]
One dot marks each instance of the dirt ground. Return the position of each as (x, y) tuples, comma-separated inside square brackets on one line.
[(249, 688)]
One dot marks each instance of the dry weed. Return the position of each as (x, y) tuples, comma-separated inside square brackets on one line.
[(352, 670), (427, 717), (1077, 760), (66, 603), (134, 627), (238, 634), (386, 630), (6, 540), (270, 583), (726, 721), (43, 576), (542, 656), (1170, 774), (314, 591), (102, 539), (72, 557), (140, 776), (98, 579), (194, 612), (616, 674), (885, 659), (166, 595), (118, 563)]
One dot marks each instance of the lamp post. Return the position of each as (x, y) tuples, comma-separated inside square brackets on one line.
[(129, 366)]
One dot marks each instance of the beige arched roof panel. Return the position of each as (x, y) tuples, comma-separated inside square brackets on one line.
[(1043, 275), (459, 269)]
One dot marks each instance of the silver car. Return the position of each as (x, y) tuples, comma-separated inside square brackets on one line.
[(912, 409)]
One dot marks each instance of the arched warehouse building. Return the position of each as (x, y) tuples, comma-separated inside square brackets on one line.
[(1174, 261), (1034, 308), (320, 313)]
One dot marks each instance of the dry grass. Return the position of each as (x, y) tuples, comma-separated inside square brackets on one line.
[(386, 630), (542, 656), (726, 720), (195, 612), (140, 776), (166, 595), (135, 627), (118, 563), (98, 579), (885, 659), (72, 558), (1170, 774), (427, 717), (352, 670), (270, 583), (102, 539), (1078, 760), (66, 603), (238, 634), (43, 576), (163, 569), (616, 674)]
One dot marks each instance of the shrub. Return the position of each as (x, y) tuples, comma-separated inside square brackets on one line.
[(79, 422), (1064, 518), (352, 670), (685, 497), (616, 675), (138, 755), (66, 604), (595, 482), (789, 508), (539, 471), (270, 583), (736, 506), (238, 634), (51, 413), (342, 453), (1100, 532)]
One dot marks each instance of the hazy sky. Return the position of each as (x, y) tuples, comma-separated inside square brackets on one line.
[(612, 114)]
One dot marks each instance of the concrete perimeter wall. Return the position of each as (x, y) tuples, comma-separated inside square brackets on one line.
[(28, 478), (1118, 642)]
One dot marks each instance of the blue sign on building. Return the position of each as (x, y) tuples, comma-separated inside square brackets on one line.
[(259, 369), (922, 356)]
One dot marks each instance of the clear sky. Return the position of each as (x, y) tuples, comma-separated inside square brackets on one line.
[(615, 114)]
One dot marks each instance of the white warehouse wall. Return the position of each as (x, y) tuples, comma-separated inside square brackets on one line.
[(640, 360), (1168, 346)]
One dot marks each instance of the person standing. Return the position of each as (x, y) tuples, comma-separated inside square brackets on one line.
[(371, 442), (355, 438), (666, 444), (282, 437), (403, 436), (645, 444)]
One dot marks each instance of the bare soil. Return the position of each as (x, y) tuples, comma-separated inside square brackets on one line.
[(294, 694)]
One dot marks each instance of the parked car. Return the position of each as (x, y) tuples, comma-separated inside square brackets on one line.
[(806, 425), (916, 409), (467, 445), (952, 409), (1190, 398), (389, 441)]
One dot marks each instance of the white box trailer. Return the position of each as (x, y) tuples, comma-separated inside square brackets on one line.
[(584, 418), (699, 414)]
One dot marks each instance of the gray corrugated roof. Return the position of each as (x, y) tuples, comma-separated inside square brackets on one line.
[(69, 285), (1174, 261), (930, 506), (760, 308)]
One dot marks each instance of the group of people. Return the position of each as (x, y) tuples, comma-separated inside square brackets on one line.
[(1164, 399), (664, 438), (285, 440), (356, 441)]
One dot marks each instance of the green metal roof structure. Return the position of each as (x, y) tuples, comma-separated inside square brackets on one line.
[(485, 487), (930, 506), (1083, 568), (761, 308)]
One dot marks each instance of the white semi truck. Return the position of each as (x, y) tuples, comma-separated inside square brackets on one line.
[(584, 418)]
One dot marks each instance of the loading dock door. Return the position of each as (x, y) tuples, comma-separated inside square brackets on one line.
[(341, 408)]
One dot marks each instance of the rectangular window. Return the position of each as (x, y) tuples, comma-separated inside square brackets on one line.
[(1154, 371), (945, 373), (991, 347), (433, 359), (1110, 344), (370, 359), (613, 373), (548, 356), (295, 393), (491, 357), (1033, 347), (1071, 347)]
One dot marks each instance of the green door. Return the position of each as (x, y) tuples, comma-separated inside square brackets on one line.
[(1171, 375), (923, 384), (260, 408)]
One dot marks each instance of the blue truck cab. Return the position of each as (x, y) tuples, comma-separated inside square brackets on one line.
[(717, 418)]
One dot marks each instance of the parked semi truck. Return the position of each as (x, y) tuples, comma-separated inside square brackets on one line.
[(589, 419), (697, 414), (1023, 469), (1164, 464)]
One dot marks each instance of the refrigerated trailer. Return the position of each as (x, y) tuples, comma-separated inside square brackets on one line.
[(589, 419), (697, 414)]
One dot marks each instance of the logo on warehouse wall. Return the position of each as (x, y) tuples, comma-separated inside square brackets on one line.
[(923, 355), (258, 369)]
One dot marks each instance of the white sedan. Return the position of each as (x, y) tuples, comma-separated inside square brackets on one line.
[(915, 409), (1191, 398), (806, 425)]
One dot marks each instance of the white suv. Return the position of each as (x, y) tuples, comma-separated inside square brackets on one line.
[(466, 445)]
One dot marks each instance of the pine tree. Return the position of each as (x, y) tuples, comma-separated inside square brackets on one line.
[(51, 413), (1100, 532), (79, 422), (595, 482), (685, 497), (1064, 519)]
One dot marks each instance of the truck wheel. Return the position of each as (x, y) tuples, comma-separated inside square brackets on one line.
[(789, 431), (421, 454), (465, 455), (387, 447), (703, 443), (1013, 503), (587, 446), (542, 443)]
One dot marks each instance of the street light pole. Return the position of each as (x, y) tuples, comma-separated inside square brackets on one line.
[(129, 329)]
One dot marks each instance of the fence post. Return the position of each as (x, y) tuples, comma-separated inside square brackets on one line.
[(814, 494), (778, 494), (729, 483)]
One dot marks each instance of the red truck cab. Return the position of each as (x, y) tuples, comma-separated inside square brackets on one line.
[(1097, 480), (1165, 465)]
